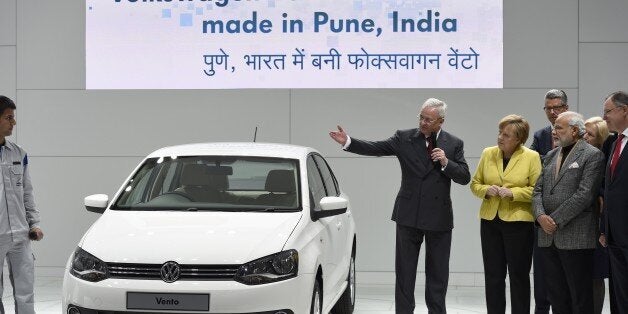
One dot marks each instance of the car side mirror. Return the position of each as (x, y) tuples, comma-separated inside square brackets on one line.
[(331, 206), (96, 203), (334, 203)]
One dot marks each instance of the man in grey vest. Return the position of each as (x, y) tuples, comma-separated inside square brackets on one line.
[(19, 219)]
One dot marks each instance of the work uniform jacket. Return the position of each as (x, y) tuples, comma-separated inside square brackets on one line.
[(17, 206)]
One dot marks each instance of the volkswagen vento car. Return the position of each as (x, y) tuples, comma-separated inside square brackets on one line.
[(218, 228)]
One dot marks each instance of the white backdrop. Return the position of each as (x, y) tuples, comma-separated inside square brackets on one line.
[(198, 44)]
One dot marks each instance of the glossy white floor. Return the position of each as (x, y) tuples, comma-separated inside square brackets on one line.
[(372, 299)]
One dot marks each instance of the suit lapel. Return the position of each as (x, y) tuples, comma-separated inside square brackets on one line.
[(442, 140), (575, 153), (418, 141), (547, 136)]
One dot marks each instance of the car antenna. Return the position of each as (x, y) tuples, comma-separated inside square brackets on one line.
[(255, 135)]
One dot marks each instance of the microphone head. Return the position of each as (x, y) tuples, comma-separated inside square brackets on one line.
[(433, 140)]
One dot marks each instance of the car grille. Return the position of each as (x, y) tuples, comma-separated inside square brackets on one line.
[(188, 272)]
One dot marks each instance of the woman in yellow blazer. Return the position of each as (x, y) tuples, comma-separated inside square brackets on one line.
[(504, 180)]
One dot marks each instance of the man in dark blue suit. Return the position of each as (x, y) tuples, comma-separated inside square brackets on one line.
[(555, 104), (430, 159), (616, 197)]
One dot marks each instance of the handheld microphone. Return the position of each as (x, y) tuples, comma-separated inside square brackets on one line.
[(433, 140), (434, 145)]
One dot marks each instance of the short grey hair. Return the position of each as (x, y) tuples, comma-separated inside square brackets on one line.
[(619, 98), (575, 119), (557, 94), (440, 105)]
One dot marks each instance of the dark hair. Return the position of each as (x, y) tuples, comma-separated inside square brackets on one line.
[(619, 98), (6, 103)]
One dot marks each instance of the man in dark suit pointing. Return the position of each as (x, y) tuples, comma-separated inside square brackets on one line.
[(430, 159)]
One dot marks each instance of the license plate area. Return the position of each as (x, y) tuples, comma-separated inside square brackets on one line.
[(167, 301)]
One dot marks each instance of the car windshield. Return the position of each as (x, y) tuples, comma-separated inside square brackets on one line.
[(221, 183)]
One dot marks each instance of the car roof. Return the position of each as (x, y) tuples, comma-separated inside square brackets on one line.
[(235, 149)]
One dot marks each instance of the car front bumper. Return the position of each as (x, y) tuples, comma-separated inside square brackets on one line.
[(110, 295)]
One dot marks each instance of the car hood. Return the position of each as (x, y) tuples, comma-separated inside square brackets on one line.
[(188, 237)]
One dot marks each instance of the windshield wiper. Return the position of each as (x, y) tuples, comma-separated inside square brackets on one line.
[(272, 209)]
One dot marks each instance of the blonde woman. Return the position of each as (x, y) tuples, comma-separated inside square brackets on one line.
[(597, 131), (596, 134), (504, 180)]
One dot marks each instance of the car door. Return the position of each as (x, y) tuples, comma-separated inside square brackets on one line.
[(328, 230), (340, 228)]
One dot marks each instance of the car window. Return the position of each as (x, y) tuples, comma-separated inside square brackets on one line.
[(328, 176), (231, 183), (168, 183), (317, 188)]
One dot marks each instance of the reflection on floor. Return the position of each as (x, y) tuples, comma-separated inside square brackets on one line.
[(372, 299)]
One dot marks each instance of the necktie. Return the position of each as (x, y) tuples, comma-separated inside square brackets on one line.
[(616, 154), (430, 146)]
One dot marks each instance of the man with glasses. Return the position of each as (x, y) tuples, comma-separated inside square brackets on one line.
[(616, 196), (555, 104), (430, 159), (19, 219)]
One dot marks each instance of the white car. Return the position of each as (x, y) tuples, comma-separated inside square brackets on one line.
[(218, 228)]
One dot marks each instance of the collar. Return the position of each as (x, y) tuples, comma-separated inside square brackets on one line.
[(6, 144), (565, 150), (437, 134), (517, 152)]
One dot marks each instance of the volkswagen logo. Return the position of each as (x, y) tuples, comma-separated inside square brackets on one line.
[(170, 271)]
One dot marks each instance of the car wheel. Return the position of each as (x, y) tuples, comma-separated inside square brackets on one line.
[(317, 299), (346, 303)]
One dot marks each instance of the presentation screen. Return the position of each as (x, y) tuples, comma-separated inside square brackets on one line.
[(235, 44)]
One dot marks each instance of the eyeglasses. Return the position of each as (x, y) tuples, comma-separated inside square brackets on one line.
[(555, 108), (427, 120), (607, 111)]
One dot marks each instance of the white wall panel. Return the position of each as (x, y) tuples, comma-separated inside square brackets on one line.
[(7, 71), (603, 21), (60, 184), (472, 115), (134, 123), (602, 71), (51, 41), (7, 22), (540, 43)]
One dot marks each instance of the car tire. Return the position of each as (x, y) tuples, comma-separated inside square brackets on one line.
[(346, 303), (317, 299)]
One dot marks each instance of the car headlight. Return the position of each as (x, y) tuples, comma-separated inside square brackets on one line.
[(280, 266), (87, 267)]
